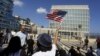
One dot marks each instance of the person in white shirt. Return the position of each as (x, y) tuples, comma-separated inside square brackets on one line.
[(45, 45), (22, 35)]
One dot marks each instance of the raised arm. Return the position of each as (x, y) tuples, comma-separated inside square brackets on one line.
[(55, 37)]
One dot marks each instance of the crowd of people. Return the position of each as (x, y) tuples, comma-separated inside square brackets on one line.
[(19, 45), (77, 52)]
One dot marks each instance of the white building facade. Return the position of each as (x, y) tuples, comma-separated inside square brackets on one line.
[(76, 21)]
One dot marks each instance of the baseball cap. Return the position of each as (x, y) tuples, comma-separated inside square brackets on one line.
[(45, 40)]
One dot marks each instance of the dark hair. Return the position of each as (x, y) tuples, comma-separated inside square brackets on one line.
[(43, 48), (72, 47), (91, 48), (78, 48), (13, 46)]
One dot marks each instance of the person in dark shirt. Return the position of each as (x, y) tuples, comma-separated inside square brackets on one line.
[(1, 39), (90, 52), (79, 52), (62, 52), (86, 41), (14, 48), (30, 46), (98, 46), (72, 51)]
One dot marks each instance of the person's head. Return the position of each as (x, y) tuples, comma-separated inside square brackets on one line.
[(14, 44), (86, 37), (31, 37), (91, 48), (78, 48), (22, 28), (72, 47), (44, 42)]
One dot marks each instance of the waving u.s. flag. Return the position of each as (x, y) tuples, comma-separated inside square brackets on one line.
[(56, 15)]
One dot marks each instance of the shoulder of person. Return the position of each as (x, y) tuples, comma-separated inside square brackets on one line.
[(19, 32)]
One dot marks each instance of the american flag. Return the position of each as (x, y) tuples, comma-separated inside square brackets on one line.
[(56, 15)]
